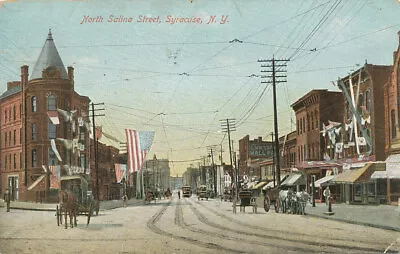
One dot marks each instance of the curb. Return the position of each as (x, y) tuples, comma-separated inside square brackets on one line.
[(355, 222)]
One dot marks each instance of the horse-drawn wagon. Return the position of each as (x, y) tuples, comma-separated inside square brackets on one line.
[(75, 199), (246, 199)]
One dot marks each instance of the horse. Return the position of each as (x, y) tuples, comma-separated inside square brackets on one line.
[(287, 200), (302, 198), (68, 204)]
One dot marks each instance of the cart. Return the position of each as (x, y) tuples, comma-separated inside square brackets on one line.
[(75, 200), (247, 199), (202, 192)]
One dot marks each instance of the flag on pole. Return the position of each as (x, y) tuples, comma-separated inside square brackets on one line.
[(53, 116), (120, 172), (138, 144)]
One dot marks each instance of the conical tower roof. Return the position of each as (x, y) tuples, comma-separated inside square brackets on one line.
[(48, 57)]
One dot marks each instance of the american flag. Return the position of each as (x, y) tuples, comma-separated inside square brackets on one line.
[(120, 172), (138, 144), (54, 177)]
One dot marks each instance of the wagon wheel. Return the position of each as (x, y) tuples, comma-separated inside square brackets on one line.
[(58, 216), (267, 203), (89, 214)]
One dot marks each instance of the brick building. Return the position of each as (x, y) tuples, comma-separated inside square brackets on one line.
[(313, 111), (26, 130), (287, 148), (250, 150), (388, 181), (107, 156)]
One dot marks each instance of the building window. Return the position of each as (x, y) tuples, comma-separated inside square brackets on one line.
[(368, 101), (5, 162), (51, 102), (393, 123), (33, 131), (15, 161), (298, 127), (15, 113), (51, 130), (9, 139), (5, 139), (5, 116), (9, 156), (301, 126), (20, 160), (304, 124), (20, 110), (83, 161), (316, 120), (20, 135), (308, 123), (34, 158), (10, 115), (33, 103), (15, 137), (312, 120), (52, 157)]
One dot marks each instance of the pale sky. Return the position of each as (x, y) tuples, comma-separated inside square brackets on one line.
[(180, 79)]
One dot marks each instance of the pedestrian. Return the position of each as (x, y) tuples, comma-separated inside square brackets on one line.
[(124, 199), (327, 195), (7, 199), (179, 194)]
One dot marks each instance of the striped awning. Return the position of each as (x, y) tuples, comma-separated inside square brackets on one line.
[(323, 181), (294, 179)]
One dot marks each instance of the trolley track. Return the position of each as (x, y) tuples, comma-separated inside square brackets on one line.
[(241, 223), (223, 236), (203, 219), (151, 224)]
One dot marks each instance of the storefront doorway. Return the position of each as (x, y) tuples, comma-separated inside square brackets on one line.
[(12, 185)]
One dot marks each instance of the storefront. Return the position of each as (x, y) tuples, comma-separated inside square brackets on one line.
[(388, 181), (355, 183)]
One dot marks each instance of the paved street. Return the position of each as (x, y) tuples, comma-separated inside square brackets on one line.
[(187, 226)]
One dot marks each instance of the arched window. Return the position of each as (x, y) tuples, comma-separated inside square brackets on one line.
[(33, 103), (368, 100), (51, 102), (15, 113), (393, 123)]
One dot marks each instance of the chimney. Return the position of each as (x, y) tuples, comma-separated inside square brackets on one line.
[(24, 76), (259, 139), (71, 75)]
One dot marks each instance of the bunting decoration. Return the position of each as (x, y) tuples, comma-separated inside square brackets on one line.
[(53, 116), (120, 172), (54, 148)]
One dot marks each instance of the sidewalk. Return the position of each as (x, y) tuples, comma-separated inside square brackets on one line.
[(379, 216), (104, 205)]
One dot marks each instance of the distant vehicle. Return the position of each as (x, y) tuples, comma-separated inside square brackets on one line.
[(202, 192), (186, 191)]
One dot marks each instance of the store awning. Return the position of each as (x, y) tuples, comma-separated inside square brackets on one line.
[(323, 180), (259, 185), (294, 179), (33, 185), (270, 185), (392, 168), (355, 175)]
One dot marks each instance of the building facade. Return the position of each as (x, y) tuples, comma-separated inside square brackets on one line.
[(313, 111), (27, 131), (251, 150)]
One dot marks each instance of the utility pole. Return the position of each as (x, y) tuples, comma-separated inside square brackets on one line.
[(273, 158), (228, 125), (96, 166), (213, 170), (275, 80)]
